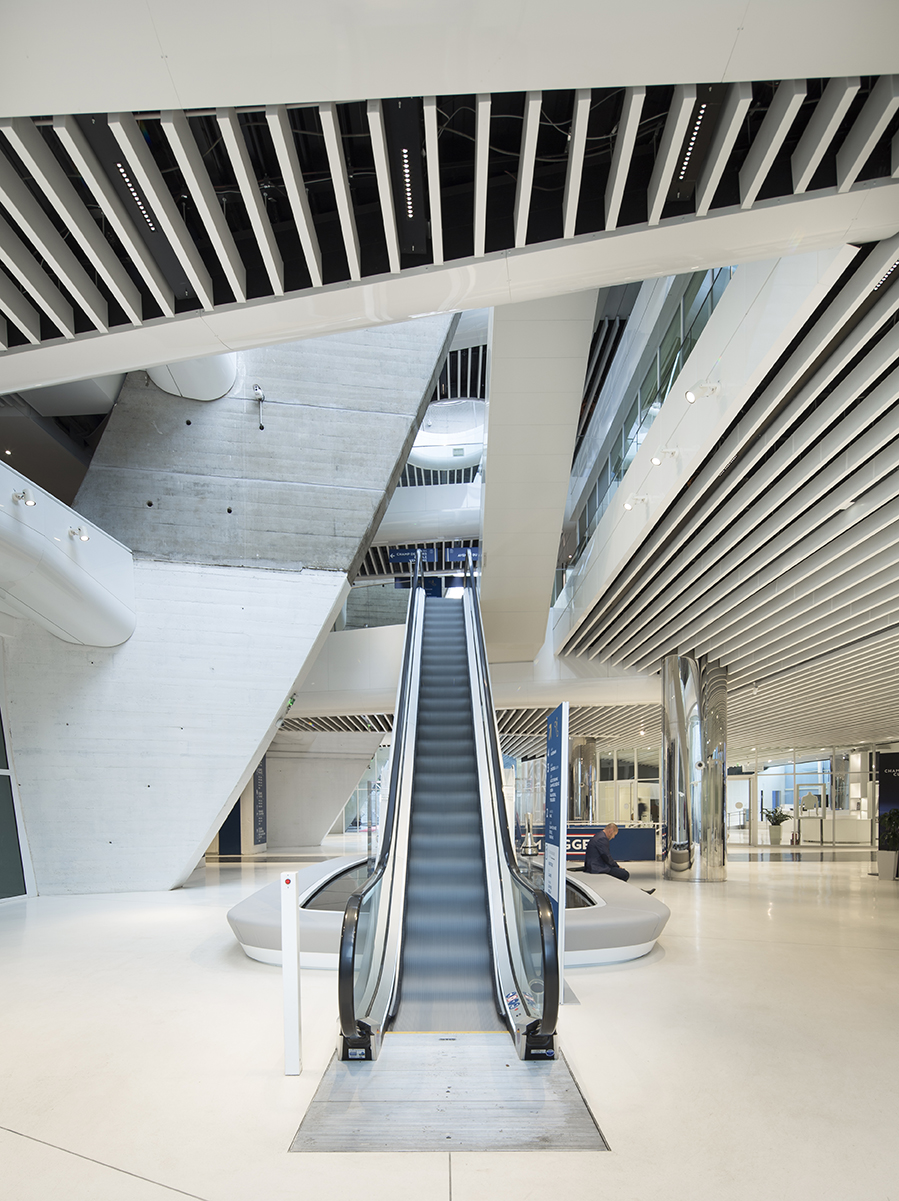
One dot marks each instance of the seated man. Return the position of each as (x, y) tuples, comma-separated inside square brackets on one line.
[(598, 856)]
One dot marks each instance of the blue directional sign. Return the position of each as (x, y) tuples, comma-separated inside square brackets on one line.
[(408, 556), (457, 554), (555, 837)]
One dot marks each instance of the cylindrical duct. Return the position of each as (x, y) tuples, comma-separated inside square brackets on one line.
[(694, 731)]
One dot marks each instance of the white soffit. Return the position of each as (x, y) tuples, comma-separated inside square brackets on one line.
[(157, 54), (538, 359)]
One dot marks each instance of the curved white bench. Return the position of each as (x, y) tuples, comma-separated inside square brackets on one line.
[(620, 923)]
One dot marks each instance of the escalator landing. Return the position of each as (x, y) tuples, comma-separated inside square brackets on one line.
[(448, 1091)]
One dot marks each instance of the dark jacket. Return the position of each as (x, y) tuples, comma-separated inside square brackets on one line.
[(598, 856)]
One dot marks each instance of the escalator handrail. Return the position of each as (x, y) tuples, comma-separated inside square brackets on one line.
[(548, 939), (347, 953)]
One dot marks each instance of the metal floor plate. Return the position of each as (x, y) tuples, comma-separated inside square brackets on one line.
[(448, 1092)]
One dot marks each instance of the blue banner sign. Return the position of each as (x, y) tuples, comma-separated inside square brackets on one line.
[(457, 554), (556, 821), (408, 556), (632, 844)]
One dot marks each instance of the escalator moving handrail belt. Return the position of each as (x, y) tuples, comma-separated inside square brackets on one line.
[(346, 1005), (548, 934)]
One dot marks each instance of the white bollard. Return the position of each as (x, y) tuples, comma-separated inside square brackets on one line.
[(290, 972)]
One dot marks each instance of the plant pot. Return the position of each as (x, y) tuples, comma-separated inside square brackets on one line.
[(775, 833), (886, 864)]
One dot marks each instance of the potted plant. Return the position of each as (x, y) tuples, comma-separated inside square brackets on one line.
[(775, 819), (888, 844)]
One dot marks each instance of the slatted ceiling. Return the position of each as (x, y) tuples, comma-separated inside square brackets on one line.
[(177, 129), (677, 123), (481, 162), (819, 357), (625, 140), (306, 188), (821, 129), (771, 571), (28, 273), (385, 192), (13, 303), (86, 163), (736, 106), (42, 235), (37, 157), (576, 148), (777, 508), (845, 696), (233, 138), (773, 132), (141, 162), (524, 183), (432, 163), (873, 120), (292, 175), (337, 164), (364, 723)]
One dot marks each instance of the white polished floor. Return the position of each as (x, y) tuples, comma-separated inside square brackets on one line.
[(753, 1053)]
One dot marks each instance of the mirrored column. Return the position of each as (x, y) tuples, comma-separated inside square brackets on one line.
[(694, 735)]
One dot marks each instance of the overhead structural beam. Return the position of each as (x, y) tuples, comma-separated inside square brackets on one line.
[(628, 126), (432, 161), (337, 163), (236, 145), (176, 128), (867, 130), (735, 108), (23, 266), (126, 132), (574, 172), (19, 311), (771, 135), (676, 124), (32, 149), (481, 162), (382, 174), (79, 151), (289, 161), (530, 129), (823, 125), (42, 233)]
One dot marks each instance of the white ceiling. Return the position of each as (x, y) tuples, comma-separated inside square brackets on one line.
[(107, 55)]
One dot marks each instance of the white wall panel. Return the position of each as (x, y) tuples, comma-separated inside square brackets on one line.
[(129, 758)]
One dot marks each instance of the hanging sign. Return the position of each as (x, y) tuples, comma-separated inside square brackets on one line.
[(428, 555), (458, 554)]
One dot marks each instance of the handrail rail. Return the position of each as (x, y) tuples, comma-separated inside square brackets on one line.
[(349, 1026), (548, 938)]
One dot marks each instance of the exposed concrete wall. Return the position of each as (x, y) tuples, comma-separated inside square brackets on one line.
[(310, 778), (129, 758), (201, 482), (371, 605)]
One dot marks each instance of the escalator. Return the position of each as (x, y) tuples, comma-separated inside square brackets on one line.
[(446, 935)]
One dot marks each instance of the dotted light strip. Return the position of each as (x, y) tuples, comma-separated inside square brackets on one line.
[(883, 279), (407, 184), (692, 143), (137, 200)]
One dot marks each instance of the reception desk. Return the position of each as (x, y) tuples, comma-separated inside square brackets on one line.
[(846, 829), (632, 843)]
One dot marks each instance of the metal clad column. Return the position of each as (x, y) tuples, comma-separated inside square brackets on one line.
[(713, 725), (694, 723)]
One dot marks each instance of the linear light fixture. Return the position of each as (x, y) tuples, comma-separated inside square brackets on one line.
[(693, 135), (135, 196), (883, 279)]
